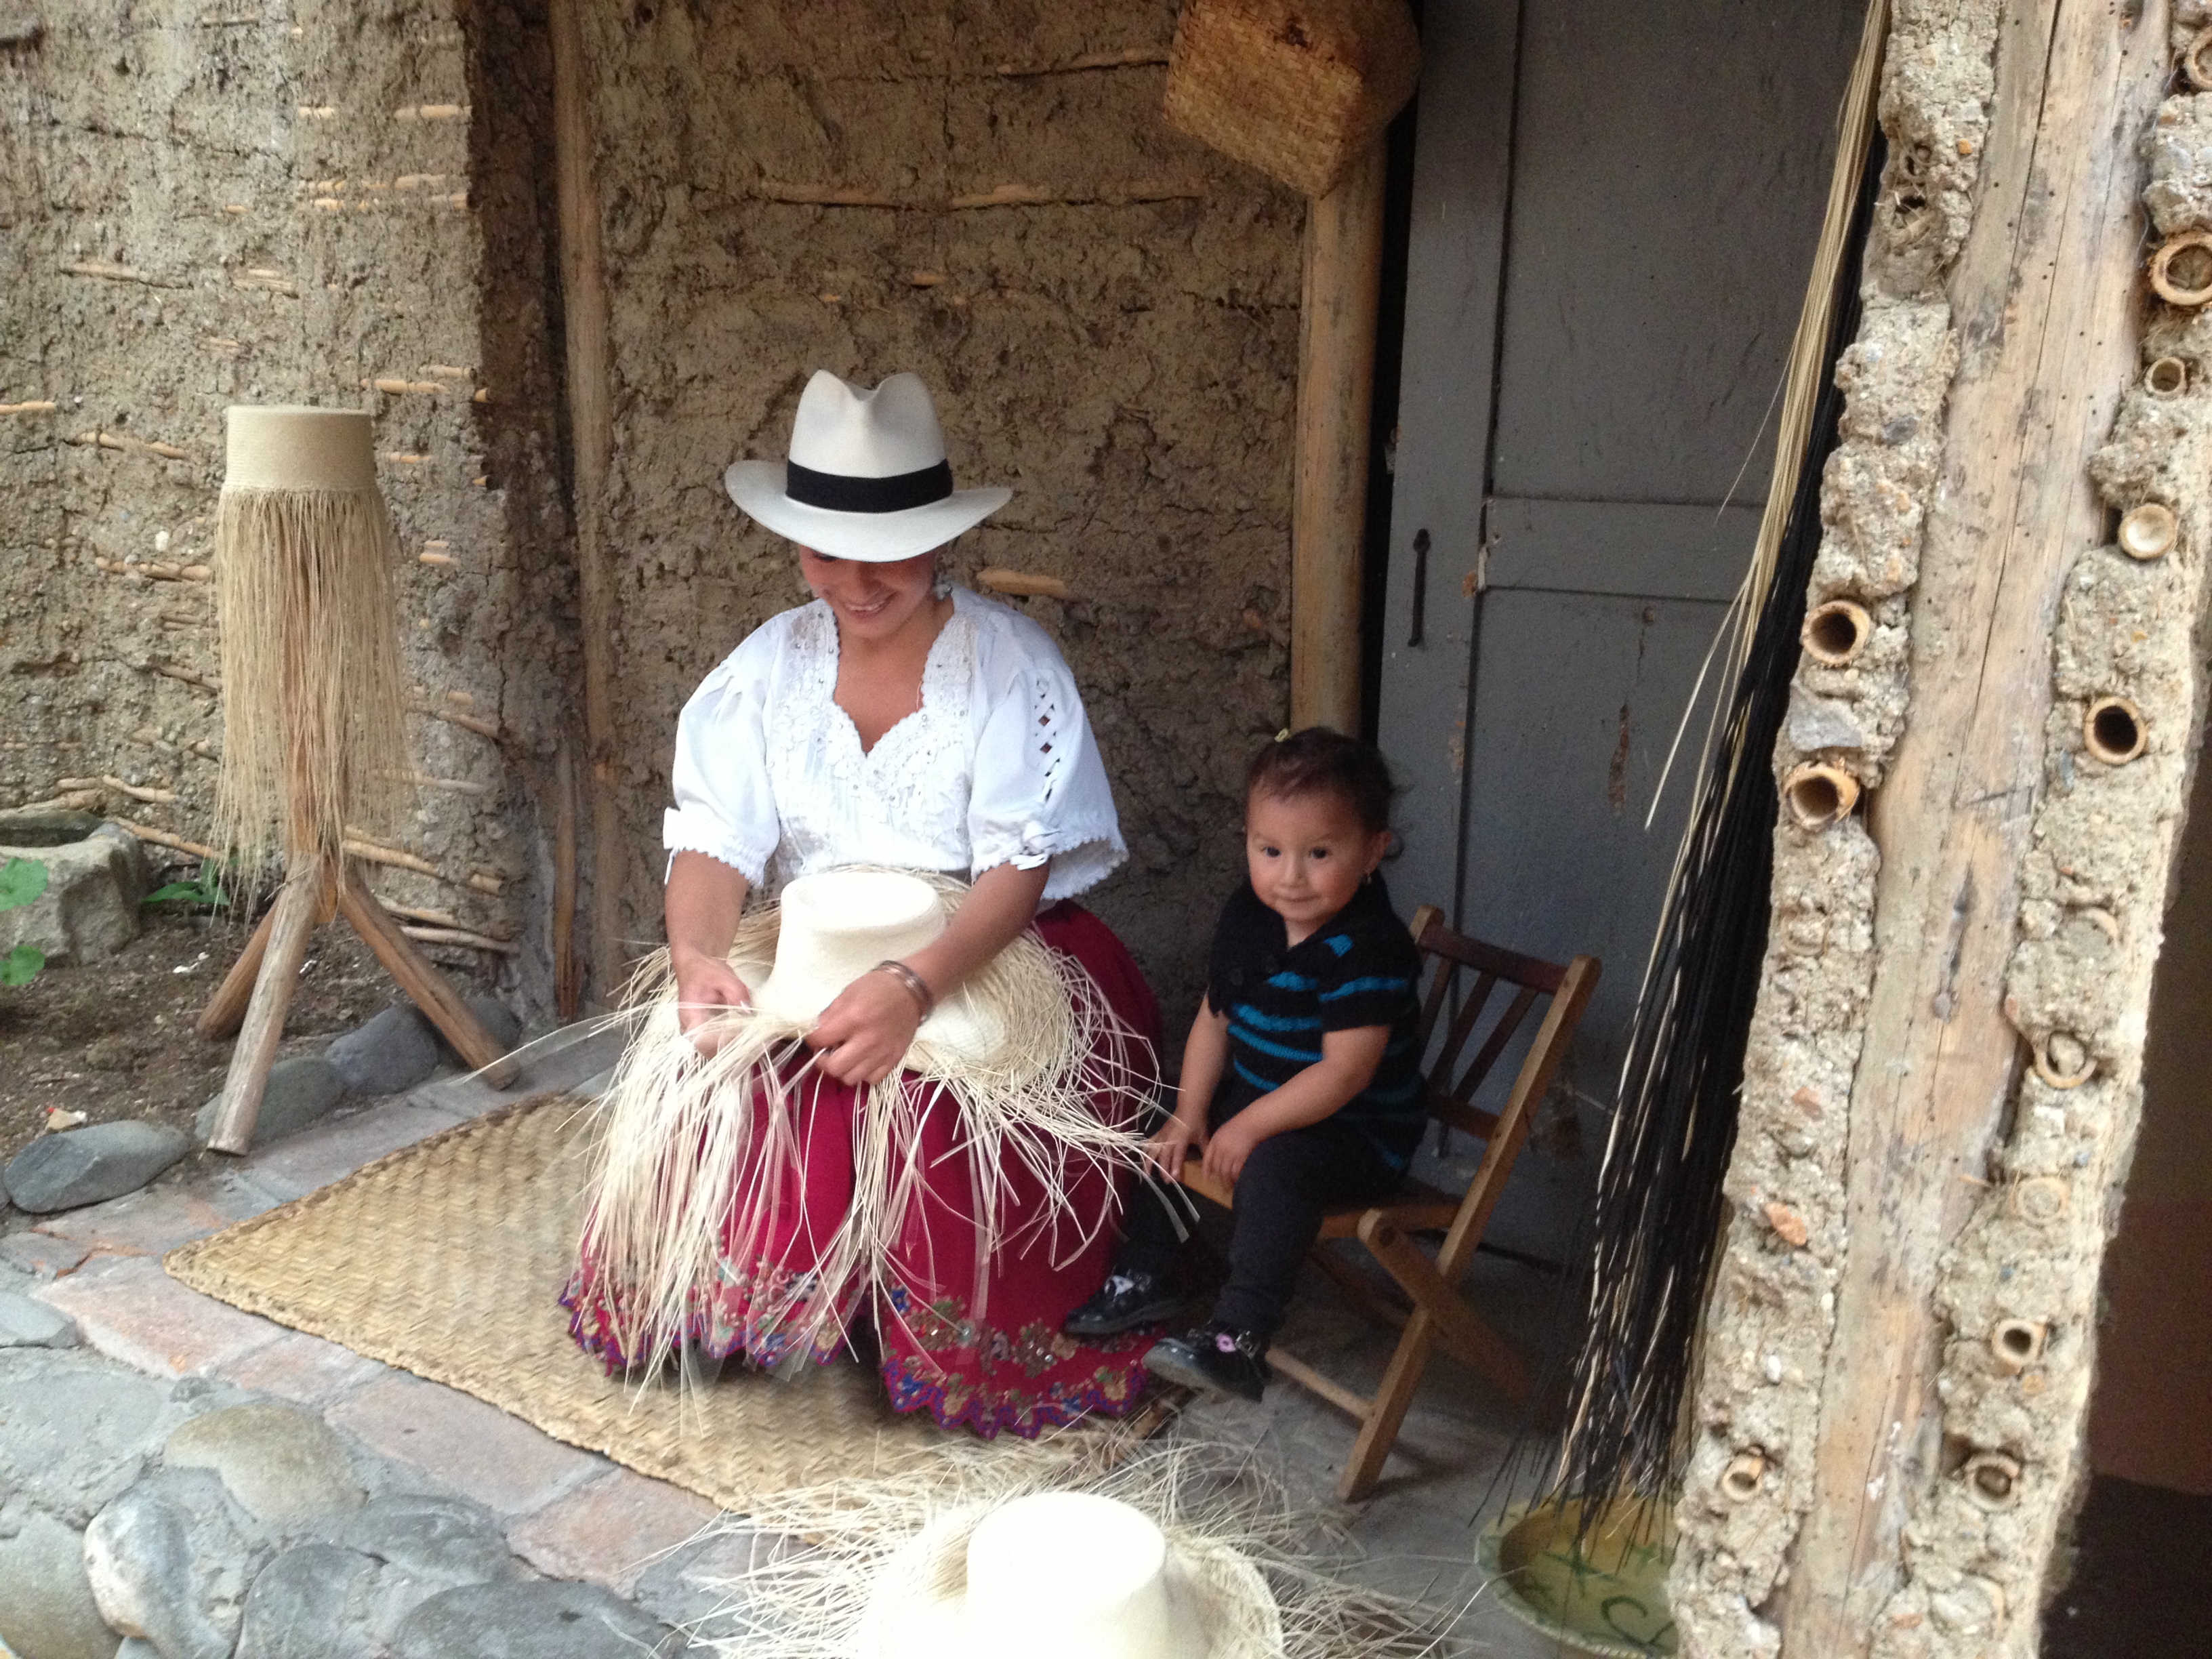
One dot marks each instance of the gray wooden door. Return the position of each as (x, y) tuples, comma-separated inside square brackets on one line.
[(1615, 205)]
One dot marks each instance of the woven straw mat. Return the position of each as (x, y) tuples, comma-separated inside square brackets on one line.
[(448, 1258)]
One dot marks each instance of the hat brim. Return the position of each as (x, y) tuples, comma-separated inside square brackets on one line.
[(918, 1607), (960, 1033), (871, 538)]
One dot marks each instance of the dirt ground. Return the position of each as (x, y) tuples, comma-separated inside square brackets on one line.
[(114, 1039)]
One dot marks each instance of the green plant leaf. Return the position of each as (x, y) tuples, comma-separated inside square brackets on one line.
[(196, 891), (22, 965), (21, 881)]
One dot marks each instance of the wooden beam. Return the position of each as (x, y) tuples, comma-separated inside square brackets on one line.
[(591, 425), (1343, 291), (276, 973), (2042, 293)]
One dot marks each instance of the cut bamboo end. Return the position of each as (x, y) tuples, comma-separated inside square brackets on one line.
[(2041, 1198), (1835, 633), (2115, 731), (2149, 531), (2181, 269), (1991, 1479), (2196, 61), (2016, 1344), (2062, 1060), (1739, 1481), (1028, 584), (1819, 795), (2166, 378)]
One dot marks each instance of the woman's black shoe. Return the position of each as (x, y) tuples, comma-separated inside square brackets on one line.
[(1213, 1358), (1124, 1301)]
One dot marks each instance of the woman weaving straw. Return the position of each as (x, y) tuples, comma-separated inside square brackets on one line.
[(928, 1143)]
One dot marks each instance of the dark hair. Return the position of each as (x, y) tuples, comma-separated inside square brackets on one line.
[(1318, 760)]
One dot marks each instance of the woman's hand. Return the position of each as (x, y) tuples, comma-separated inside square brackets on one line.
[(863, 1036), (705, 985), (1174, 1142), (1228, 1147)]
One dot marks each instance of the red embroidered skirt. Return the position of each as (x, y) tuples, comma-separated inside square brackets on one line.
[(973, 1342)]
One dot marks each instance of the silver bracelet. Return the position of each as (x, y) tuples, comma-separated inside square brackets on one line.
[(915, 985)]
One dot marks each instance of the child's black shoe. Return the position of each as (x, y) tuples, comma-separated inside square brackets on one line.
[(1213, 1358), (1124, 1301)]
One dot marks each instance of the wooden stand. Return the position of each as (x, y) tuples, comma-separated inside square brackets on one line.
[(257, 990)]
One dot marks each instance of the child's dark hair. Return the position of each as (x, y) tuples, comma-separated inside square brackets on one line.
[(1319, 761)]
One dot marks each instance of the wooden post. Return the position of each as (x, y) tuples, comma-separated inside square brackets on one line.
[(225, 1009), (419, 977), (2041, 294), (567, 969), (291, 922), (591, 423), (1336, 382)]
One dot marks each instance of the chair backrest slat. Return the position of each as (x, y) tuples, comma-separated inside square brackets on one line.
[(1463, 1027), (1500, 1035)]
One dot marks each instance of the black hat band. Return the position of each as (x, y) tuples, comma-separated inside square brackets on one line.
[(839, 492)]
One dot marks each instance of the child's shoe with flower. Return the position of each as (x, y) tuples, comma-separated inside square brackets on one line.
[(1214, 1358)]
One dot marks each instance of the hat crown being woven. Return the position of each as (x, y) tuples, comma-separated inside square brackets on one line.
[(836, 926), (884, 432), (1071, 1573)]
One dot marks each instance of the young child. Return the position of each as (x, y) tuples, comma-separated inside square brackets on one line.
[(1301, 1084)]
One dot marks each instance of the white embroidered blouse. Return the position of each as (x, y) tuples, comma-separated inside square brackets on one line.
[(998, 765)]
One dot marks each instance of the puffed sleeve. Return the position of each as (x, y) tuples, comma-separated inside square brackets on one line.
[(1040, 790), (725, 807)]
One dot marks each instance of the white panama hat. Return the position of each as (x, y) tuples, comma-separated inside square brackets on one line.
[(866, 479), (1068, 1574), (836, 925)]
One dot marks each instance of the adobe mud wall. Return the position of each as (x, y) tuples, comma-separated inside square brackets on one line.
[(207, 204), (1970, 1486), (1107, 312)]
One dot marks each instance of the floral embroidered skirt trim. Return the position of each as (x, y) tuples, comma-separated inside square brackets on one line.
[(973, 1342)]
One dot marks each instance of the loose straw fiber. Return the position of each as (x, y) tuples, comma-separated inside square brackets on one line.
[(447, 1259), (314, 719)]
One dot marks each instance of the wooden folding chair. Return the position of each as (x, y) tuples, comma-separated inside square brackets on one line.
[(1439, 1313)]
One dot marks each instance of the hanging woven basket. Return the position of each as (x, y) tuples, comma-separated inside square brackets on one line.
[(1296, 88)]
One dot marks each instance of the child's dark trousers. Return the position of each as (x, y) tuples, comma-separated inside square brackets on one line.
[(1290, 1182)]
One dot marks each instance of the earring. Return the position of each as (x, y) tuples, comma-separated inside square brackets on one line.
[(940, 587)]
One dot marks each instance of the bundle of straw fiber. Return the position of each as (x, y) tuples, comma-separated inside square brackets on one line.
[(313, 729), (688, 1148), (1206, 1497), (1296, 88), (1660, 1200)]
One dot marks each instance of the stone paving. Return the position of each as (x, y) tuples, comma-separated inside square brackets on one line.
[(371, 1512)]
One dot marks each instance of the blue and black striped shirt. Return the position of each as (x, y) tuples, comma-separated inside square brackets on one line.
[(1359, 968)]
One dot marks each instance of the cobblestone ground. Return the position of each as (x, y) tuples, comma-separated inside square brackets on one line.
[(230, 1488)]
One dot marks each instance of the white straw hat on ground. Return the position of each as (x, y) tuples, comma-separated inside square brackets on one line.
[(838, 925), (1068, 1574), (867, 477)]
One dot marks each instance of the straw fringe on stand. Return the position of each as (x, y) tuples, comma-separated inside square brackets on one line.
[(686, 1167), (314, 709)]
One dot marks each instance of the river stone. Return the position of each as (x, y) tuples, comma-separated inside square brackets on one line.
[(170, 1561), (301, 1091), (442, 1541), (28, 1324), (316, 1601), (543, 1620), (47, 1611), (74, 1431), (90, 908), (92, 1164), (388, 1055), (282, 1464)]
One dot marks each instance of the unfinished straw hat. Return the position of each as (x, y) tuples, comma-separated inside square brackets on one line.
[(1070, 1574), (866, 478), (838, 925), (314, 734)]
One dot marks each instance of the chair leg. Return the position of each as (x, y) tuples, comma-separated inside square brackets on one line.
[(1386, 1414), (1490, 1353)]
